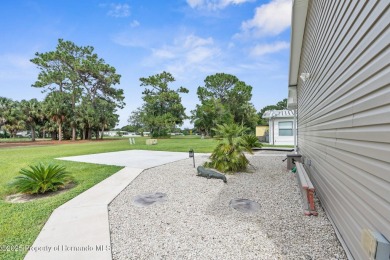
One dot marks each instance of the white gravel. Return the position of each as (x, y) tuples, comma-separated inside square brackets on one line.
[(196, 222)]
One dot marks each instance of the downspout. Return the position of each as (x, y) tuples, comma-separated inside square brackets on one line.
[(273, 131), (295, 130)]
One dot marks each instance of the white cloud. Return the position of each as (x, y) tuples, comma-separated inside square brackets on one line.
[(195, 3), (188, 50), (134, 23), (214, 4), (188, 53), (263, 49), (270, 19), (119, 10)]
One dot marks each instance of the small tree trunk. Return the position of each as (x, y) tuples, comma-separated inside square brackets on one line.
[(97, 134), (89, 133), (53, 135), (73, 133), (32, 133), (101, 137), (59, 131)]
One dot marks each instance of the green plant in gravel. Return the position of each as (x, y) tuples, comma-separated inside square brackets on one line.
[(41, 178), (251, 140), (228, 156)]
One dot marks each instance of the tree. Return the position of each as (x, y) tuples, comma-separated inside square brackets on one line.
[(80, 73), (57, 106), (229, 92), (32, 114), (279, 106), (59, 72), (5, 104), (209, 114), (135, 121), (162, 109), (11, 116), (106, 115)]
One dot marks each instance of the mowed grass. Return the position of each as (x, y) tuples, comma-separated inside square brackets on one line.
[(20, 223)]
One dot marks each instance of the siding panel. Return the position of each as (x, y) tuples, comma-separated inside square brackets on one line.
[(344, 114)]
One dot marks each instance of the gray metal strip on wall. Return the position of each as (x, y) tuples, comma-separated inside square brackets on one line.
[(344, 114)]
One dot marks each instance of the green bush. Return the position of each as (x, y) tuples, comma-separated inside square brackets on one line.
[(251, 141), (228, 156), (41, 179)]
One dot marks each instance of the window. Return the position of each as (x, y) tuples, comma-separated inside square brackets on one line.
[(286, 128)]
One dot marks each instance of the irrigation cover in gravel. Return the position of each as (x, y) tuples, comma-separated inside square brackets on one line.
[(244, 205), (145, 200)]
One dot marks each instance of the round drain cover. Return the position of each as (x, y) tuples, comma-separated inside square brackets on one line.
[(244, 205), (145, 200)]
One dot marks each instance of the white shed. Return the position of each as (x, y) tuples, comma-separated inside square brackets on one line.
[(281, 126)]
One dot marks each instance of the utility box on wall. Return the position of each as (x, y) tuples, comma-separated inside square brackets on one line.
[(291, 159), (376, 246)]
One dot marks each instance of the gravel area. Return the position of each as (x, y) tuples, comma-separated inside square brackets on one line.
[(196, 222)]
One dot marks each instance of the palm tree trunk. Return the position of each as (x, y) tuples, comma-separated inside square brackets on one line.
[(85, 133), (59, 130), (73, 133), (32, 133), (89, 133), (53, 135), (101, 137)]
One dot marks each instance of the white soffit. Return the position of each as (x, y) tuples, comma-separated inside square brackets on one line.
[(298, 21)]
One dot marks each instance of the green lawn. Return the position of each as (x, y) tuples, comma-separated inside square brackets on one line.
[(20, 139), (21, 223)]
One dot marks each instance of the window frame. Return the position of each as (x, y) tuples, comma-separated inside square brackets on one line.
[(286, 128)]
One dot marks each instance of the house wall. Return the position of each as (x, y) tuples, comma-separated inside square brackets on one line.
[(344, 115), (274, 137)]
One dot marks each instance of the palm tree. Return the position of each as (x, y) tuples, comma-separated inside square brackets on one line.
[(32, 114), (229, 155), (57, 106), (10, 116)]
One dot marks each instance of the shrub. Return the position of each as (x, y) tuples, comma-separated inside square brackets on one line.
[(41, 179), (251, 141), (229, 155), (228, 158)]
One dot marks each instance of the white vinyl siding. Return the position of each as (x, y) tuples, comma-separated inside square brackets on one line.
[(344, 114)]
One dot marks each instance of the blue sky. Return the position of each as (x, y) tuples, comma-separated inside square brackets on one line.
[(189, 38)]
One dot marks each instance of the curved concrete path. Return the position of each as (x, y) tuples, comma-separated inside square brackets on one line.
[(79, 229)]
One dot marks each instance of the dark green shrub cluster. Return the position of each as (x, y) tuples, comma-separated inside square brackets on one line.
[(41, 178)]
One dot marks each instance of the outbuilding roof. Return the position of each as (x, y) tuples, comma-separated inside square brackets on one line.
[(278, 113)]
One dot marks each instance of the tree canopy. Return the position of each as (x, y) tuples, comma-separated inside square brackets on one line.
[(77, 77), (224, 99), (279, 106), (162, 109)]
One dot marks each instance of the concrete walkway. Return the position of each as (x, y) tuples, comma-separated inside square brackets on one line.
[(79, 229)]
